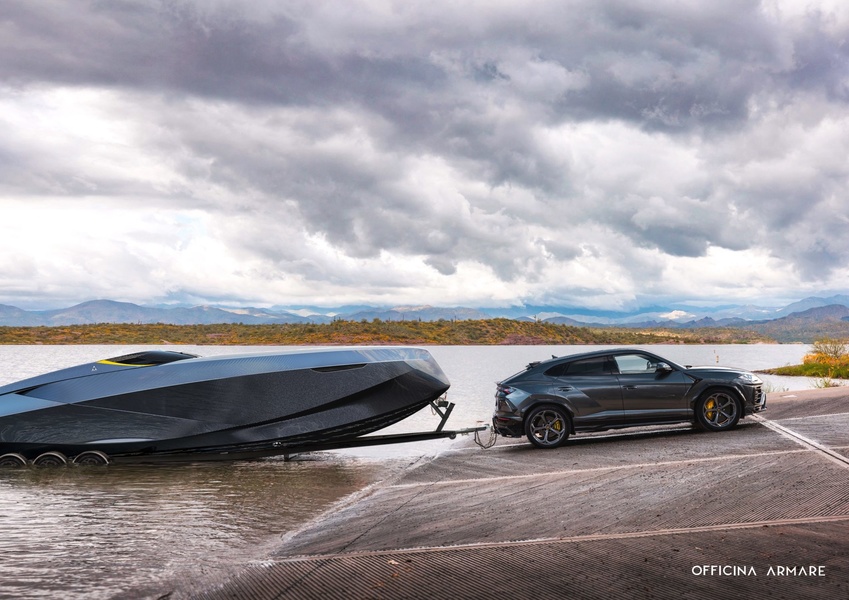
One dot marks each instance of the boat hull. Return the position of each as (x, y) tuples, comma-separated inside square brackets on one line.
[(258, 403)]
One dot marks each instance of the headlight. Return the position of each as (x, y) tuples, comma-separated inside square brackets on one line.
[(749, 378)]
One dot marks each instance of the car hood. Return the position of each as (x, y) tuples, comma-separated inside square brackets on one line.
[(714, 372)]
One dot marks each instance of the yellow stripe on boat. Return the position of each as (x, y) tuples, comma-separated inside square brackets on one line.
[(120, 364)]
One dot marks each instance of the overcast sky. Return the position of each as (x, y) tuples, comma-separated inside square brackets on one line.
[(600, 154)]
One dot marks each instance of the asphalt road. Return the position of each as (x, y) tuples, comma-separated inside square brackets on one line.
[(669, 512)]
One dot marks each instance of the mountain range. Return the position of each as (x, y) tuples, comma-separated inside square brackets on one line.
[(802, 314)]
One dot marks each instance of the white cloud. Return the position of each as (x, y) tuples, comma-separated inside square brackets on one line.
[(596, 154)]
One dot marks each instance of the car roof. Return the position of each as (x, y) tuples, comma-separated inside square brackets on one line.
[(592, 353)]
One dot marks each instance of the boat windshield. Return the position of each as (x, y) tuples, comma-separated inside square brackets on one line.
[(149, 358)]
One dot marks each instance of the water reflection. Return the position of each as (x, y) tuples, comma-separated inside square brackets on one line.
[(92, 532)]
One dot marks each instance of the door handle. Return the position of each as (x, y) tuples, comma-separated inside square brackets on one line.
[(629, 387), (566, 388)]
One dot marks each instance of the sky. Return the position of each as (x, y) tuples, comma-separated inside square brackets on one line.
[(599, 154)]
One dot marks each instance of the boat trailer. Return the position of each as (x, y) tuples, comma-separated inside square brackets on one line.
[(440, 406)]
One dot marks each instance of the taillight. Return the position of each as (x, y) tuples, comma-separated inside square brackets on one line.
[(502, 404)]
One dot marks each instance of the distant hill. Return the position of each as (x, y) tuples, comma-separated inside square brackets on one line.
[(12, 313), (666, 324), (566, 321), (709, 322), (110, 311), (419, 313), (812, 302), (816, 319), (830, 321)]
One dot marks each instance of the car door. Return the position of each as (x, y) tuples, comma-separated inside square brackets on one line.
[(591, 389), (650, 395)]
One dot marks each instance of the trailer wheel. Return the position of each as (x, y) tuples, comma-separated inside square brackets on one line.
[(50, 459), (12, 460), (91, 458)]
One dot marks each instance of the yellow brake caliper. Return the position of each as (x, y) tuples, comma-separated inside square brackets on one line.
[(710, 409)]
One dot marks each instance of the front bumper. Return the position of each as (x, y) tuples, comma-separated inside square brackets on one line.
[(756, 400)]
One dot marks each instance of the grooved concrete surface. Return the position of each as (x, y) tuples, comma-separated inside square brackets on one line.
[(664, 512)]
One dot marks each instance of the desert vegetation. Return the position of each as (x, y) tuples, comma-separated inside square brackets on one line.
[(827, 361), (444, 332)]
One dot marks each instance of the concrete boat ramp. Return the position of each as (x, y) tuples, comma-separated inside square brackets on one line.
[(668, 512)]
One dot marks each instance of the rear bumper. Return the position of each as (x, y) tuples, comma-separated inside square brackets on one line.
[(508, 426)]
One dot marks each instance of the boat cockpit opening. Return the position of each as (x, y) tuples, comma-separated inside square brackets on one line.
[(148, 358)]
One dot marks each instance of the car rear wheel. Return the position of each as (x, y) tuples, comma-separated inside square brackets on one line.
[(547, 427), (717, 410)]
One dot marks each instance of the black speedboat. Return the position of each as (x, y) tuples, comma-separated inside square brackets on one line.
[(162, 404)]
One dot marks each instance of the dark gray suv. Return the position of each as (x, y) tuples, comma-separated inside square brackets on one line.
[(612, 389)]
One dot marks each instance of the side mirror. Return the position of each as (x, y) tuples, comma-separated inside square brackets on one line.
[(662, 367)]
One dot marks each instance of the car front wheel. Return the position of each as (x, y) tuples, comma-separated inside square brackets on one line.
[(547, 427), (717, 410)]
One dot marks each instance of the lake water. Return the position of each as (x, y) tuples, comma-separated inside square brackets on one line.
[(107, 532)]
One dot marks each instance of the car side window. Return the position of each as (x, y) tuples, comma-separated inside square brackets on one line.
[(597, 365), (635, 363)]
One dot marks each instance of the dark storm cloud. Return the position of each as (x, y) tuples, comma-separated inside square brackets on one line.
[(492, 133), (821, 61), (210, 50), (667, 65)]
